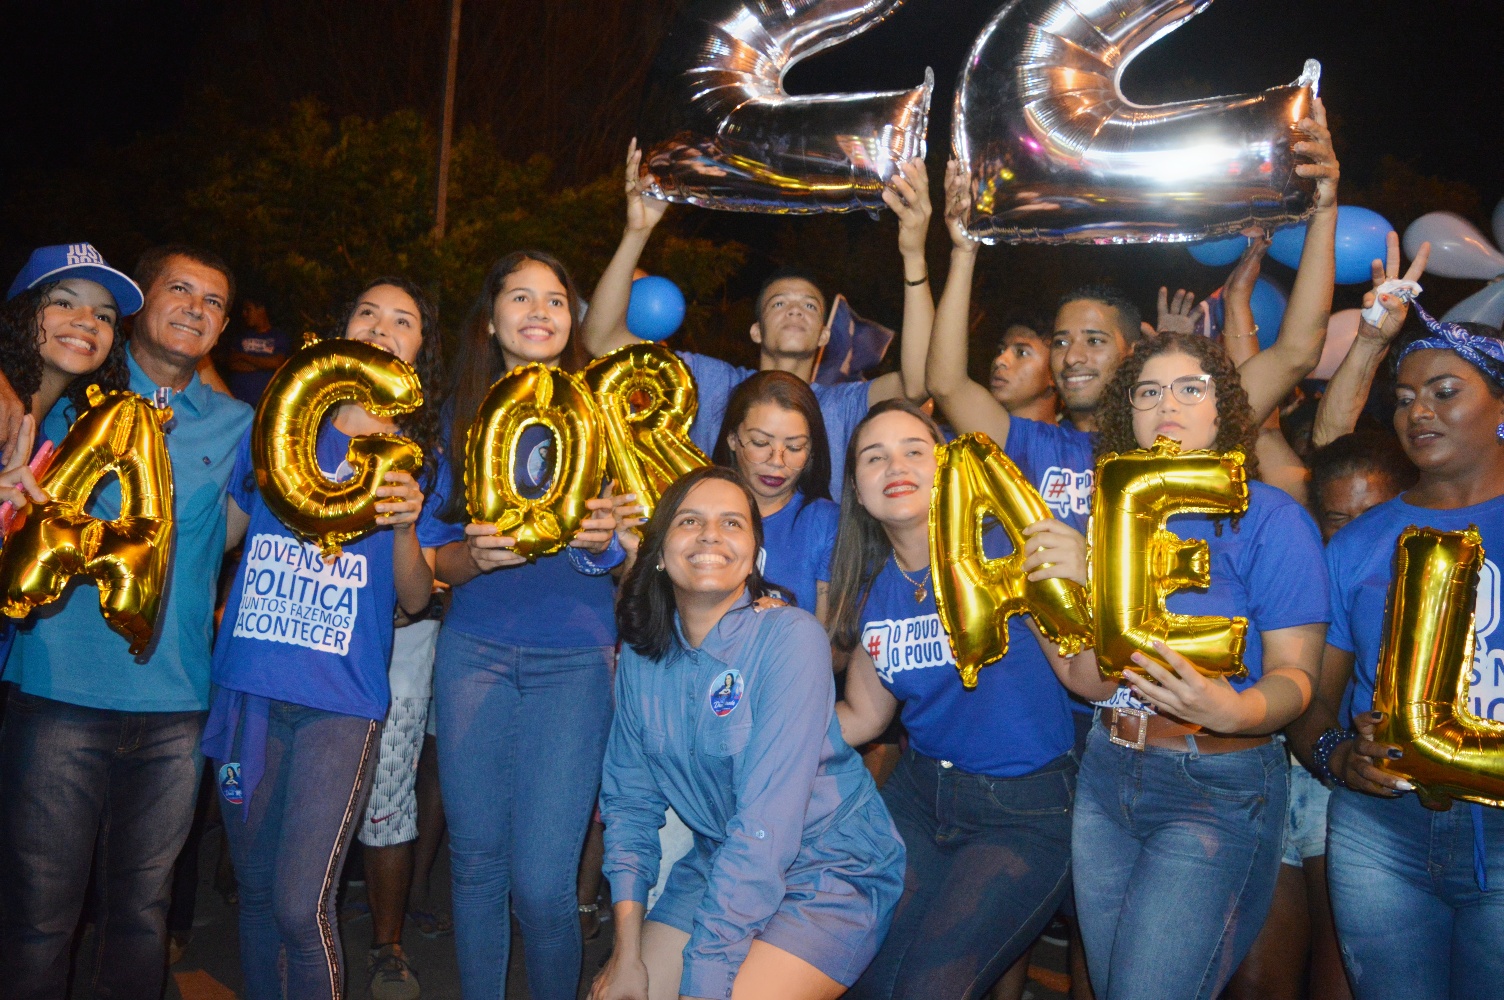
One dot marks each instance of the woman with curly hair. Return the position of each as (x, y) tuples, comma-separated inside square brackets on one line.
[(1180, 803), (300, 668)]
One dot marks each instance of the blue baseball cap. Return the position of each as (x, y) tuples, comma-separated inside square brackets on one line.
[(77, 260)]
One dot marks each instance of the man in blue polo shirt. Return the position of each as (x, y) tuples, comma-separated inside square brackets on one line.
[(100, 744)]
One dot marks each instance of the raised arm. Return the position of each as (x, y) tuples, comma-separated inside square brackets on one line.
[(1270, 375), (1240, 335), (605, 326), (909, 198), (1347, 392), (967, 404)]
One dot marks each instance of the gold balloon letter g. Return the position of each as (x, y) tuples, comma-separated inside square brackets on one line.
[(1137, 563), (284, 438), (120, 432)]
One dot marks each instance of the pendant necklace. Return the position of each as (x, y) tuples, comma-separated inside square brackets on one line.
[(921, 588)]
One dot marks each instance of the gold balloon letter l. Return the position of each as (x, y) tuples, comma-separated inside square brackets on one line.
[(1423, 672), (128, 557), (975, 596), (647, 400), (1137, 563), (284, 438)]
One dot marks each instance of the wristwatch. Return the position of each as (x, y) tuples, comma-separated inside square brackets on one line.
[(1322, 751)]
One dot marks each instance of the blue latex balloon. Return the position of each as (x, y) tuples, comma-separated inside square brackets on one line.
[(1219, 253), (655, 309), (1268, 304), (1361, 236)]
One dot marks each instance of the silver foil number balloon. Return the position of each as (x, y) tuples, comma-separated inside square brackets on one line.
[(718, 131), (1059, 155)]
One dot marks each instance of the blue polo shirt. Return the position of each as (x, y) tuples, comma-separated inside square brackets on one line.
[(66, 652)]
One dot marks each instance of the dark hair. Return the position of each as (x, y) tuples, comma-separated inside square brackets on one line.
[(1128, 313), (1029, 321), (423, 424), (645, 613), (1414, 330), (479, 362), (1359, 453), (862, 546), (151, 264), (21, 352), (787, 273), (788, 392), (1235, 426)]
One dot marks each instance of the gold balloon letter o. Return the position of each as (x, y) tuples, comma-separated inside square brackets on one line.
[(284, 438), (120, 432), (1137, 563), (534, 394)]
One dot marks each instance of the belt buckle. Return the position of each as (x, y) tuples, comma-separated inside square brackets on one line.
[(1143, 728)]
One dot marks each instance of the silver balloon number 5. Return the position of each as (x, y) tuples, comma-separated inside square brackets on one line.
[(718, 130), (1059, 155)]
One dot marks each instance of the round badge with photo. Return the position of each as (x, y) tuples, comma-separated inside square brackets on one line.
[(726, 692)]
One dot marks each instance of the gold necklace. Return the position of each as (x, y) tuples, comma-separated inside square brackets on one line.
[(921, 588)]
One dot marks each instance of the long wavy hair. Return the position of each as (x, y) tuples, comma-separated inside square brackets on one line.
[(423, 424), (479, 363), (1235, 426), (21, 352), (791, 393), (862, 546), (645, 613)]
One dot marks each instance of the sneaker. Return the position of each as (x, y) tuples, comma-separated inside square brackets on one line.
[(391, 977)]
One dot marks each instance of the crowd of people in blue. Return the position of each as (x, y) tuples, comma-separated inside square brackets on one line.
[(760, 661)]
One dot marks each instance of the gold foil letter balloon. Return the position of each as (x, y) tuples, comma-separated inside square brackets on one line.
[(284, 438), (646, 399), (527, 396), (128, 557), (1424, 667), (1059, 155), (719, 131), (1136, 563), (975, 595)]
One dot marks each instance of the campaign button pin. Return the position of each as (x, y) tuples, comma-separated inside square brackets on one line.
[(229, 784), (726, 692)]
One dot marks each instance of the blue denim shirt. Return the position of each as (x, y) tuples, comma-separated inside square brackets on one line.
[(740, 737), (66, 652)]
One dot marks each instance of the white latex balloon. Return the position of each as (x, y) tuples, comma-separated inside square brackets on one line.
[(1341, 330), (1486, 306), (1458, 250), (1499, 223)]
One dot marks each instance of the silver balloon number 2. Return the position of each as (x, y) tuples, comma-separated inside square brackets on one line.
[(718, 130), (1059, 155)]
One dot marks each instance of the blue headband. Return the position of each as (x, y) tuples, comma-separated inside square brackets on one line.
[(1484, 353)]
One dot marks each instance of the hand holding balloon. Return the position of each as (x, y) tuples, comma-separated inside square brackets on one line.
[(1355, 761), (1317, 144), (1395, 307), (489, 549), (1055, 551), (18, 484), (399, 502), (908, 195), (630, 516), (599, 525), (958, 206), (643, 212), (1174, 685)]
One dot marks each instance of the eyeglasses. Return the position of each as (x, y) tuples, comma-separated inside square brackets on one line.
[(1188, 390), (794, 456)]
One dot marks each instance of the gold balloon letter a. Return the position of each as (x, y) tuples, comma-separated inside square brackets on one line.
[(974, 595), (559, 401), (1423, 672), (647, 400), (1137, 563), (284, 438), (121, 433)]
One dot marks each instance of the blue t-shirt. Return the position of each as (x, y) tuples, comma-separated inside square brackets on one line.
[(842, 405), (1058, 460), (1360, 562), (550, 603), (302, 630), (1267, 569), (1017, 718), (66, 652), (796, 546), (248, 386)]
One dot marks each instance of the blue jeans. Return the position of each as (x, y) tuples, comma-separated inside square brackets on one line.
[(1176, 856), (1411, 919), (988, 866), (69, 776), (290, 846), (522, 734)]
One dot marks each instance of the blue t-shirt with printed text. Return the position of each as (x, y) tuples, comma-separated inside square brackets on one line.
[(302, 630), (843, 406), (1267, 568), (1017, 718), (796, 545), (1360, 563), (1058, 460)]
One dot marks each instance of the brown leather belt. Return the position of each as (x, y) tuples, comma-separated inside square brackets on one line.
[(1136, 729)]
